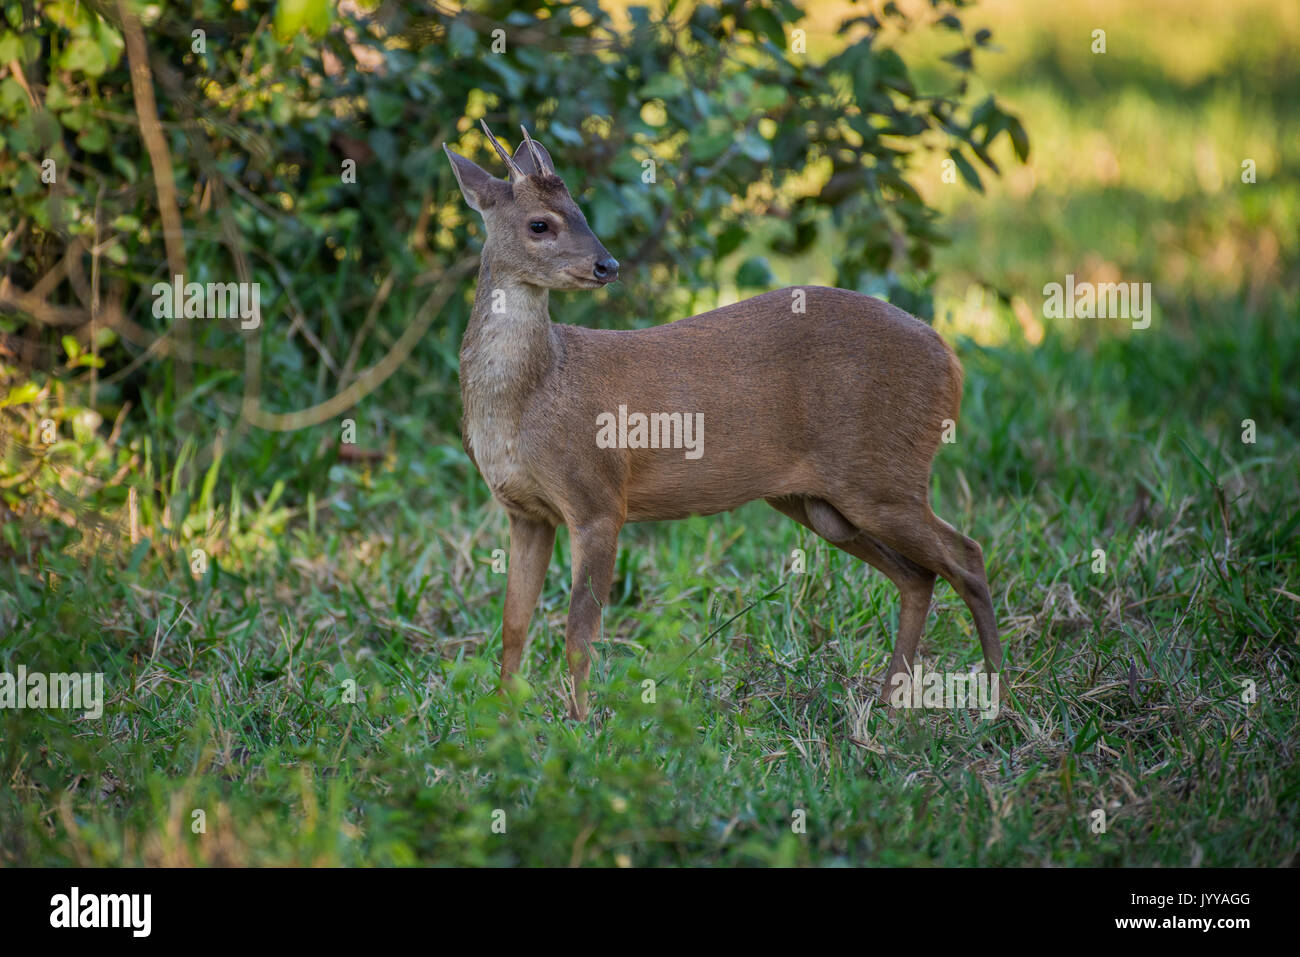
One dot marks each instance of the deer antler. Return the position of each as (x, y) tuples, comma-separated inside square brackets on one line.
[(516, 174), (539, 162)]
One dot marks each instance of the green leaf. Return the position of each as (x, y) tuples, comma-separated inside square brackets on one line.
[(21, 394), (1019, 138), (138, 556), (754, 272), (893, 71), (68, 14), (56, 96), (13, 101), (769, 97), (94, 138), (709, 146), (730, 239), (513, 79), (564, 134), (864, 76), (967, 171), (663, 86), (291, 16), (961, 59), (76, 118), (110, 43), (763, 22), (756, 148), (10, 47), (281, 109), (84, 55), (386, 107), (982, 113), (461, 39)]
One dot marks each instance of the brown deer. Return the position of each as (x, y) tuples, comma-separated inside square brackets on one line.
[(826, 403)]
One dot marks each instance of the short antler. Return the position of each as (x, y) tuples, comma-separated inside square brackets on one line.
[(516, 174), (539, 160)]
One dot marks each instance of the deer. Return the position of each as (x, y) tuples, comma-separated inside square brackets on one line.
[(830, 413)]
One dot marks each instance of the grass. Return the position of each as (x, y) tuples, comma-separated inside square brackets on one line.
[(229, 691), (226, 691)]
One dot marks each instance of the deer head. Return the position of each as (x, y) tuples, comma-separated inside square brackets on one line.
[(535, 231)]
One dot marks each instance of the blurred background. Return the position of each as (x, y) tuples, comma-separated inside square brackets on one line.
[(189, 505)]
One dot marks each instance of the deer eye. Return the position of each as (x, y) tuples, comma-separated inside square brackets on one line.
[(538, 225)]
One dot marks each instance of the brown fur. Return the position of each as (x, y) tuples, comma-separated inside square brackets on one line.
[(832, 415)]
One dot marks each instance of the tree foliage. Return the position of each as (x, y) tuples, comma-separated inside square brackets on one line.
[(304, 142)]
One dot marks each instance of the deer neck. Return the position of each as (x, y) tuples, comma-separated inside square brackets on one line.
[(507, 348)]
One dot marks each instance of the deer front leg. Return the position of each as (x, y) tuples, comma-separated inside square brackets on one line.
[(595, 546), (531, 544)]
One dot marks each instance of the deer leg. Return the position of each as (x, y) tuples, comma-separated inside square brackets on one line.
[(915, 583), (929, 541), (595, 547), (974, 576), (531, 544)]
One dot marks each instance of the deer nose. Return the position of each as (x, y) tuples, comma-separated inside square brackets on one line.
[(607, 269)]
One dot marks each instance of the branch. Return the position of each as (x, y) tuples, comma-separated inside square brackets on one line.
[(373, 377), (151, 132)]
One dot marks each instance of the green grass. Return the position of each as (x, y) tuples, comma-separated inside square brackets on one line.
[(227, 690)]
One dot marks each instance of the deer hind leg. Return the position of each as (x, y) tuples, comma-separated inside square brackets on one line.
[(916, 532), (915, 583)]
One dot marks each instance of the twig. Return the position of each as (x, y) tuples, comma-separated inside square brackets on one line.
[(369, 380)]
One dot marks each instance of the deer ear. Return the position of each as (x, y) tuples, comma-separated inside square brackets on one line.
[(524, 159), (479, 187)]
